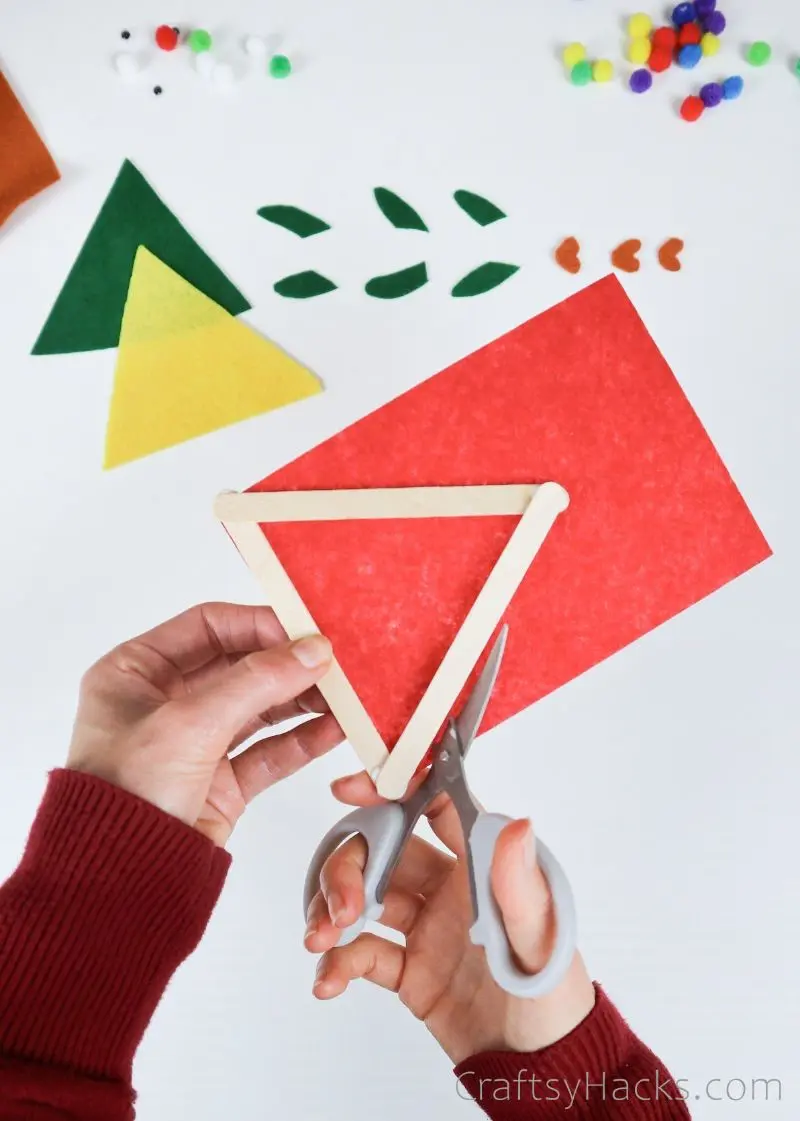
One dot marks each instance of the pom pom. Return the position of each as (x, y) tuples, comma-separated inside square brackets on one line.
[(280, 66), (199, 41), (640, 81), (573, 54), (639, 25), (255, 46), (732, 88), (684, 13), (704, 7), (710, 44), (692, 108), (665, 37), (759, 54), (581, 73), (166, 37), (689, 33), (602, 70), (204, 64), (715, 23), (689, 56), (711, 94), (126, 65), (660, 59), (639, 51)]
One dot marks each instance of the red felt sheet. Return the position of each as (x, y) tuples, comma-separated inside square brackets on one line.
[(580, 395)]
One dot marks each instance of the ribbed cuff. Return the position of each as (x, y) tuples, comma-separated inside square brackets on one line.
[(110, 897), (600, 1070)]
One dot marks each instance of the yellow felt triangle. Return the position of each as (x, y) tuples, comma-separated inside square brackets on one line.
[(186, 367)]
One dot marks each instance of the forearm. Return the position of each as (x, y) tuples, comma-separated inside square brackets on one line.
[(599, 1072), (110, 897)]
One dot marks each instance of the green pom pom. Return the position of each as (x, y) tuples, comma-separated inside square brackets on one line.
[(797, 68), (199, 41), (280, 66), (759, 53), (581, 73)]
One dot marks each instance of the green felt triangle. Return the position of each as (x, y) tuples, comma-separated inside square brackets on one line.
[(87, 314)]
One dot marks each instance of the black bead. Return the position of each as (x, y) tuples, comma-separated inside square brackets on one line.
[(157, 90), (126, 34)]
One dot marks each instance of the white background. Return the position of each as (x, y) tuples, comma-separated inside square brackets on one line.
[(666, 779)]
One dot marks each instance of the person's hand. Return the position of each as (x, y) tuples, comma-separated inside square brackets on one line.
[(159, 714), (439, 975)]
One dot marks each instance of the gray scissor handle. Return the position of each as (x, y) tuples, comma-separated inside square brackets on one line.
[(383, 828), (488, 929)]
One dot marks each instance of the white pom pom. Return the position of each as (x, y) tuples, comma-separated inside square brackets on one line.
[(126, 65), (255, 46), (223, 75), (204, 64)]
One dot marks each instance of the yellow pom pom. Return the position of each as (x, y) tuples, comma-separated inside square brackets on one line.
[(639, 26), (710, 44), (573, 54), (602, 70), (639, 51)]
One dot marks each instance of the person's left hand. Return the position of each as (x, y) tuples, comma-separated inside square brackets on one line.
[(159, 715)]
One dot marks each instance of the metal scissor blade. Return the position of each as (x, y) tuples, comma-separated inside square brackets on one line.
[(471, 716)]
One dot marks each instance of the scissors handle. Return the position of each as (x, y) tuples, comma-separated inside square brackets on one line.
[(488, 929), (384, 829)]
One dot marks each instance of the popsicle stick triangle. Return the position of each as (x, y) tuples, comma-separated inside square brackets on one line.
[(187, 367), (245, 517)]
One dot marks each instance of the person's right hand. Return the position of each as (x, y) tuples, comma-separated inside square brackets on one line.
[(439, 975)]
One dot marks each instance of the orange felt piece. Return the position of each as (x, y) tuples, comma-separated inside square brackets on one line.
[(26, 166), (580, 395)]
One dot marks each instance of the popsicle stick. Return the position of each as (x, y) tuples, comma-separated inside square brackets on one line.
[(296, 620), (393, 502), (494, 597)]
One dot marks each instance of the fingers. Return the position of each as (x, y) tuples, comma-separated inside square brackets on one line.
[(523, 897), (373, 958), (256, 683), (275, 758), (204, 632), (340, 900), (359, 790)]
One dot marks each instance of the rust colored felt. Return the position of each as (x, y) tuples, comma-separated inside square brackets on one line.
[(669, 254), (568, 255), (624, 256), (26, 166), (580, 395)]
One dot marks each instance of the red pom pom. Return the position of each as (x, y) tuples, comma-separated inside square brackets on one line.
[(692, 108), (690, 33), (660, 59), (166, 37), (665, 37)]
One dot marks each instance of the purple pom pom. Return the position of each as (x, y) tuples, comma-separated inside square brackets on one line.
[(704, 8), (715, 22), (711, 94), (641, 81)]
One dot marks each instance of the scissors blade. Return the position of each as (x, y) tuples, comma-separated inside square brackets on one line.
[(472, 714)]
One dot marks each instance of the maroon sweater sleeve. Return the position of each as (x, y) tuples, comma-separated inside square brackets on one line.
[(599, 1072), (110, 897)]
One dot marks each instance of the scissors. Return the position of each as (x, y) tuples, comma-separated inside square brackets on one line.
[(387, 828)]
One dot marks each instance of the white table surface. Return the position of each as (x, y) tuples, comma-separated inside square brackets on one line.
[(666, 779)]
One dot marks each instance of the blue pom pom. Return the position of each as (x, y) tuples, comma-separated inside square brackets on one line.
[(684, 13), (732, 88), (704, 8), (690, 55)]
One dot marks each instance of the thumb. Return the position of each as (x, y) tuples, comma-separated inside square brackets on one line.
[(256, 683), (523, 896)]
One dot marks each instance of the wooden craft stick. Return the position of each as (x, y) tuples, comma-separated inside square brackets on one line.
[(296, 620), (494, 597), (394, 502)]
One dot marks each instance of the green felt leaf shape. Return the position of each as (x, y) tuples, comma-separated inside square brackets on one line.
[(398, 211), (304, 285), (484, 278), (396, 284), (294, 219), (480, 209)]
